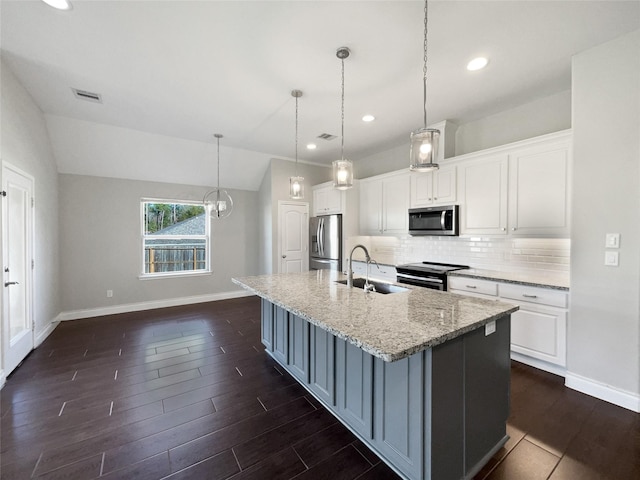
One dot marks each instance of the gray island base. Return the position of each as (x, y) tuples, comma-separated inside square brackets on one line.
[(437, 413)]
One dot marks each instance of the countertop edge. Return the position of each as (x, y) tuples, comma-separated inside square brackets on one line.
[(376, 352), (503, 277)]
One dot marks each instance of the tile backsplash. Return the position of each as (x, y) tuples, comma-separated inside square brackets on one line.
[(502, 254)]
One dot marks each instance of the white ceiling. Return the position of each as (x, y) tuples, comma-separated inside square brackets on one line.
[(187, 69)]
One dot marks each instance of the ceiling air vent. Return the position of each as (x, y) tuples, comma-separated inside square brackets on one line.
[(327, 136), (89, 96)]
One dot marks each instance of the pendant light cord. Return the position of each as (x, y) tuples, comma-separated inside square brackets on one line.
[(342, 114), (218, 139), (424, 68), (297, 135)]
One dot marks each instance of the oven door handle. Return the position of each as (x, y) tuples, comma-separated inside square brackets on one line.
[(442, 219), (431, 280)]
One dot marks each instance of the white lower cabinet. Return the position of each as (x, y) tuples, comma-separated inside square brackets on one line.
[(538, 329)]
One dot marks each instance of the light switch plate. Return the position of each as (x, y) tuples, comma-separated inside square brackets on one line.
[(489, 328), (612, 240), (611, 259)]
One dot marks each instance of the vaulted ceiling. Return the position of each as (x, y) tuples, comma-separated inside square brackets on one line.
[(185, 70)]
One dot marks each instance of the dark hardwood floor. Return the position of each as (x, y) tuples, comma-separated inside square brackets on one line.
[(188, 393)]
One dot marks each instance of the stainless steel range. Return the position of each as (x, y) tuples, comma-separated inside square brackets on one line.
[(426, 274)]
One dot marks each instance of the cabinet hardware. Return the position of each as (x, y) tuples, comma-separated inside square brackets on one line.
[(529, 296), (503, 229), (472, 286), (6, 284), (513, 229)]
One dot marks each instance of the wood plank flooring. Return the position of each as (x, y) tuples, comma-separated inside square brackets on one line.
[(188, 393)]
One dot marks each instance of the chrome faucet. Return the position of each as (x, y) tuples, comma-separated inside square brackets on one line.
[(367, 286)]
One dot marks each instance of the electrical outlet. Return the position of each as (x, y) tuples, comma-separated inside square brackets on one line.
[(611, 259), (612, 240), (490, 328), (109, 293)]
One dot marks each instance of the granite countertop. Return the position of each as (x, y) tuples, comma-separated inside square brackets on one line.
[(390, 327), (554, 280)]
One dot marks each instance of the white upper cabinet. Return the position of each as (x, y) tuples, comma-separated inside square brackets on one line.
[(433, 188), (484, 187), (520, 189), (327, 199), (539, 190), (384, 204)]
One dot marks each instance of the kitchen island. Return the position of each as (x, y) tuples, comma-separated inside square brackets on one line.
[(420, 376)]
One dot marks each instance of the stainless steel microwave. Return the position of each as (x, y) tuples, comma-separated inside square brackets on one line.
[(442, 220)]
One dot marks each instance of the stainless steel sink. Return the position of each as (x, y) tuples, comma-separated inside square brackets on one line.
[(380, 287)]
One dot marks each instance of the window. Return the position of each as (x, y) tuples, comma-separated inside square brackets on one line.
[(175, 238)]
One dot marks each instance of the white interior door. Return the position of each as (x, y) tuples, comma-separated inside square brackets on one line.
[(293, 233), (17, 234)]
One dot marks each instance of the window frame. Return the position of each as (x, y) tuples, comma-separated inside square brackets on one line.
[(143, 237)]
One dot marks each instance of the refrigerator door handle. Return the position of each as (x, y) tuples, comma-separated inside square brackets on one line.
[(321, 236)]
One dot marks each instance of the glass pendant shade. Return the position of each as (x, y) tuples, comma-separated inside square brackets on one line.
[(296, 188), (218, 203), (424, 150), (342, 174)]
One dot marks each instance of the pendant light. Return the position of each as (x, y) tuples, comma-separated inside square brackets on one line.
[(296, 183), (218, 202), (424, 141), (342, 169)]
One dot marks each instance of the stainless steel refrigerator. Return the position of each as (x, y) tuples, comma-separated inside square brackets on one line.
[(325, 238)]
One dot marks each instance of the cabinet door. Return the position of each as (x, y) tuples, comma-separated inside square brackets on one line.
[(421, 189), (354, 387), (333, 200), (540, 332), (299, 348), (281, 334), (484, 190), (398, 405), (319, 201), (445, 185), (322, 365), (266, 324), (395, 195), (538, 190), (370, 207)]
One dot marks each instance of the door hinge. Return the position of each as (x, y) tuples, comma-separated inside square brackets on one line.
[(33, 202), (3, 193), (33, 264)]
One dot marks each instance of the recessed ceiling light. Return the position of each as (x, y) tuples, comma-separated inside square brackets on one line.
[(477, 63), (59, 4), (311, 146), (368, 118)]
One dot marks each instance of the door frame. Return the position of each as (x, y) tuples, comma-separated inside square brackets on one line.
[(29, 275), (282, 203)]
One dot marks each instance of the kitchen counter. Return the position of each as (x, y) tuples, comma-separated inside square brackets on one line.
[(554, 280), (390, 327)]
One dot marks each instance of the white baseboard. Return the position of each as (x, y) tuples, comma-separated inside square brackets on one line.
[(622, 398), (42, 335), (136, 307), (540, 364)]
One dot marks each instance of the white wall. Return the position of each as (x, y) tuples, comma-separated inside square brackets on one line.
[(275, 187), (539, 117), (101, 249), (25, 144), (604, 327), (266, 224)]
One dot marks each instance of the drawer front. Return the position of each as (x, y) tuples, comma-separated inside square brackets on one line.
[(473, 285), (540, 296)]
